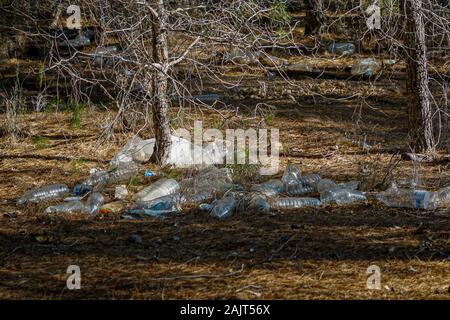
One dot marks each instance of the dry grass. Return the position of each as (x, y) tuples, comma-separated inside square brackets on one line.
[(305, 254)]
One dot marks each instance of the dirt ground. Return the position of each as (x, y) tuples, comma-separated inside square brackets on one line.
[(318, 253)]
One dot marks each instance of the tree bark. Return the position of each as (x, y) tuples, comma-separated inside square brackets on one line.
[(419, 109), (160, 104), (315, 17)]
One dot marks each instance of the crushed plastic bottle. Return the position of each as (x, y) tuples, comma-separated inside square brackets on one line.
[(291, 174), (94, 203), (270, 188), (408, 198), (210, 180), (331, 192), (345, 49), (351, 185), (80, 41), (157, 207), (224, 207), (193, 199), (81, 190), (135, 150), (160, 188), (256, 202), (443, 197), (366, 67), (71, 199), (115, 175), (304, 184), (68, 207), (293, 203), (342, 196), (103, 55), (49, 192), (326, 184), (121, 192)]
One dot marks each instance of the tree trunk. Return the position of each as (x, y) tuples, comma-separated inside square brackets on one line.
[(315, 17), (419, 109), (160, 104)]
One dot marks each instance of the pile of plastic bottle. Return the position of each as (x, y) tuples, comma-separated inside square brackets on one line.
[(211, 189)]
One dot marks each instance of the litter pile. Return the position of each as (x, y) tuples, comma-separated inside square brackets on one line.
[(212, 189)]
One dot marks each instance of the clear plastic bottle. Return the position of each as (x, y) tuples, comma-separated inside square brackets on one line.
[(160, 188), (351, 185), (157, 207), (326, 184), (54, 191), (224, 207), (299, 189), (94, 203), (366, 67), (293, 203), (291, 174), (342, 196), (341, 48), (210, 179), (256, 202), (68, 207), (304, 184), (443, 197), (122, 173), (408, 198), (199, 197), (270, 188), (115, 175)]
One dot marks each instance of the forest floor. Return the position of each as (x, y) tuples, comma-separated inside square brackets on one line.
[(314, 253)]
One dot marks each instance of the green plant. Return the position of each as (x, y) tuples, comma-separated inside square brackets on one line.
[(134, 181), (41, 75), (77, 110), (279, 14), (41, 142)]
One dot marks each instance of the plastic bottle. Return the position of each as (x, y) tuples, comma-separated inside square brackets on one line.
[(351, 185), (193, 199), (122, 173), (121, 192), (326, 184), (291, 174), (68, 207), (81, 189), (208, 180), (157, 207), (115, 175), (330, 192), (160, 188), (293, 203), (256, 202), (366, 67), (224, 207), (270, 188), (94, 203), (443, 197), (408, 198), (341, 48), (304, 184), (342, 196), (53, 191)]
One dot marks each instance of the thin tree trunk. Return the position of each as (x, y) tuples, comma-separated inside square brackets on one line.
[(419, 105), (160, 104), (315, 17)]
